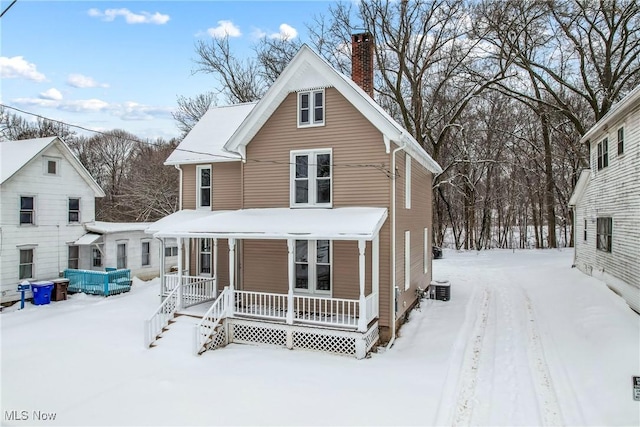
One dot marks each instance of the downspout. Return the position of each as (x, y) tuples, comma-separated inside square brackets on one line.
[(393, 244), (179, 188)]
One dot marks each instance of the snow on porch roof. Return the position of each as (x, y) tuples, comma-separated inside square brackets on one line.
[(87, 239), (353, 223)]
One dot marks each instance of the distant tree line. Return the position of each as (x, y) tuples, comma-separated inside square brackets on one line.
[(498, 92), (137, 185)]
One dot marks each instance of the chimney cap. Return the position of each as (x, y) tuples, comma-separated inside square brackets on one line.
[(361, 37)]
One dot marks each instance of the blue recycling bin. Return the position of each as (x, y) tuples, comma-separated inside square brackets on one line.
[(41, 292)]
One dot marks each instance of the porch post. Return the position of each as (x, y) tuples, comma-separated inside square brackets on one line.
[(162, 268), (179, 284), (187, 245), (291, 275), (375, 275), (232, 268), (362, 317), (215, 268)]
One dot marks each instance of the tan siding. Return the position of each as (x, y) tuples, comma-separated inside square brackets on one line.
[(226, 186), (265, 266), (188, 186), (354, 142), (415, 220), (223, 261)]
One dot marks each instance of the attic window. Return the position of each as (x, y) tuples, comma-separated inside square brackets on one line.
[(50, 166), (311, 108)]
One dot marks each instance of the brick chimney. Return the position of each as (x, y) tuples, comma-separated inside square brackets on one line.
[(362, 61)]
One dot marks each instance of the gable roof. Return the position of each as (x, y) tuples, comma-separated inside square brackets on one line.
[(617, 112), (17, 154), (204, 143), (307, 70), (580, 187)]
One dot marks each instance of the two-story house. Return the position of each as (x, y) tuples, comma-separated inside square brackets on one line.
[(46, 196), (606, 201), (306, 215)]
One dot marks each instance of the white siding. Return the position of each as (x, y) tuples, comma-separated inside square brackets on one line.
[(51, 231), (133, 239), (614, 192)]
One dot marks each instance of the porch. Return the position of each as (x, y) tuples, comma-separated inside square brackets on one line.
[(305, 313)]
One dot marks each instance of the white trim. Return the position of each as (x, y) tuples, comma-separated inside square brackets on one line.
[(142, 242), (426, 250), (407, 181), (311, 108), (45, 165), (312, 268), (126, 252), (312, 178), (79, 221), (31, 248), (407, 260), (199, 187), (199, 254), (34, 210)]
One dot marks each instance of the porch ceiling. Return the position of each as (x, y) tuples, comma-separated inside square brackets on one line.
[(352, 223)]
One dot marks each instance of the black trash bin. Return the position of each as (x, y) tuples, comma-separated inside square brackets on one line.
[(440, 290)]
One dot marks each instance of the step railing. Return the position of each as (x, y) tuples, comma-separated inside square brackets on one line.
[(205, 329), (154, 326)]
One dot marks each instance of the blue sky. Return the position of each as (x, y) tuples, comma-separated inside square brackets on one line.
[(121, 65)]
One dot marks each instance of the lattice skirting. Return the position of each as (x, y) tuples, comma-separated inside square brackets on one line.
[(218, 339), (347, 343)]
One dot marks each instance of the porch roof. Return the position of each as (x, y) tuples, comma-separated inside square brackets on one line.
[(87, 239), (350, 223)]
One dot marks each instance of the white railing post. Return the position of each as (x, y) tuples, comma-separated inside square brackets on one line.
[(362, 315), (180, 267), (232, 276), (291, 275), (215, 268)]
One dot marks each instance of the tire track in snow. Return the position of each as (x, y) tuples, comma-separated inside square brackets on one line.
[(547, 399), (471, 361)]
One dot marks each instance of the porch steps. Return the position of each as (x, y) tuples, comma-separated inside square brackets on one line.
[(178, 334)]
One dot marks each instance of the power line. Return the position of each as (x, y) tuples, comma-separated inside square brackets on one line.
[(380, 167), (7, 8)]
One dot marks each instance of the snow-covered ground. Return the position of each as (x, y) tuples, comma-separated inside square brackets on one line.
[(525, 340)]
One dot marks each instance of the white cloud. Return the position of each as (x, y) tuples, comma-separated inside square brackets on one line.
[(80, 81), (52, 94), (287, 32), (17, 67), (130, 17), (224, 28)]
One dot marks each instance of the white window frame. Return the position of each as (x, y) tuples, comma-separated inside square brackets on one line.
[(311, 109), (407, 181), (312, 263), (620, 139), (95, 250), (126, 261), (173, 251), (69, 258), (69, 210), (45, 165), (602, 155), (604, 238), (33, 210), (199, 187), (312, 172), (199, 259), (426, 250), (33, 262), (142, 252), (407, 260)]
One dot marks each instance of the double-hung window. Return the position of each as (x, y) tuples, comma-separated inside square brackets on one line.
[(74, 256), (121, 255), (205, 256), (146, 253), (170, 251), (603, 154), (96, 257), (311, 108), (311, 178), (603, 237), (25, 267), (203, 181), (313, 266), (74, 210), (620, 141), (27, 210)]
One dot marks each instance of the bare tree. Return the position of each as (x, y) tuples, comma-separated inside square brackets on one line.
[(190, 110), (14, 127)]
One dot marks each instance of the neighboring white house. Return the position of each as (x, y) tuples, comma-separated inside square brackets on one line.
[(606, 201), (124, 245), (46, 196)]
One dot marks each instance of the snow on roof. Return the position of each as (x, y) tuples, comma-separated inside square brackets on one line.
[(581, 185), (205, 142), (616, 112), (16, 154), (177, 218), (116, 227), (87, 239), (351, 223)]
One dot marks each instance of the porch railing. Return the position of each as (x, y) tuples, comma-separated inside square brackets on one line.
[(196, 290), (326, 311), (160, 319), (261, 304), (206, 328)]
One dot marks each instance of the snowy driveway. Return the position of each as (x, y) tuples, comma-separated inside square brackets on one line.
[(525, 340)]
